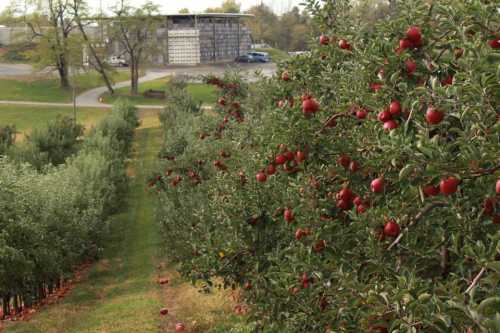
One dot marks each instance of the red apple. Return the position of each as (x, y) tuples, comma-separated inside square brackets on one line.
[(285, 76), (361, 209), (163, 281), (289, 155), (448, 81), (433, 116), (288, 215), (319, 246), (489, 206), (344, 161), (344, 45), (310, 106), (494, 43), (375, 86), (377, 185), (449, 186), (261, 177), (430, 190), (280, 159), (392, 229), (357, 201), (497, 187), (344, 204), (354, 166), (414, 34), (384, 116), (405, 43), (361, 114), (179, 327), (271, 169), (300, 156), (411, 66), (395, 108), (390, 125), (164, 311), (222, 101), (346, 194), (324, 40)]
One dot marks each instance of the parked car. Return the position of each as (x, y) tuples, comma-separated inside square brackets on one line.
[(260, 56), (117, 61), (245, 58)]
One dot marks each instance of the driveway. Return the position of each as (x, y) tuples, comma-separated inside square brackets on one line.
[(15, 69)]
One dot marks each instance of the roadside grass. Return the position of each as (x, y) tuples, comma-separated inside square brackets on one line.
[(48, 89), (275, 54), (26, 117), (203, 93)]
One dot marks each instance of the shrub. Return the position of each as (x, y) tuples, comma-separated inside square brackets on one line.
[(7, 138), (356, 190)]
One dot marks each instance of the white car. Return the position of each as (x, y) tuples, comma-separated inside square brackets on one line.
[(117, 61)]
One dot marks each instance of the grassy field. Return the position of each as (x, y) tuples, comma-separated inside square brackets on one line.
[(275, 54), (27, 117), (201, 92), (48, 90)]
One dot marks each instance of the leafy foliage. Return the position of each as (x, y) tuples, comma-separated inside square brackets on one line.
[(356, 190)]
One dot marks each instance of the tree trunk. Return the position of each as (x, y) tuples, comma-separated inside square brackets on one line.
[(134, 76), (99, 67), (62, 69)]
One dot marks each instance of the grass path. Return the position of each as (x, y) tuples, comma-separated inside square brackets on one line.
[(120, 293)]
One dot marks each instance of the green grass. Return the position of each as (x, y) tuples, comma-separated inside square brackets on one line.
[(48, 90), (120, 293), (202, 93), (275, 54), (27, 117)]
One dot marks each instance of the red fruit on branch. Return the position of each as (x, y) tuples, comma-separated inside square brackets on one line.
[(375, 86), (164, 311), (271, 169), (289, 155), (288, 215), (344, 161), (300, 233), (344, 204), (247, 285), (354, 166), (310, 106), (489, 206), (414, 35), (180, 327), (357, 201), (222, 101), (392, 229), (411, 66), (405, 43), (305, 280), (449, 186), (324, 40), (344, 45), (384, 116), (448, 81), (377, 185), (433, 116), (281, 104), (361, 114), (220, 165), (361, 209), (163, 281), (261, 177), (346, 194), (430, 190), (497, 187), (390, 125), (319, 246), (285, 76), (280, 159), (494, 43), (395, 108), (300, 156)]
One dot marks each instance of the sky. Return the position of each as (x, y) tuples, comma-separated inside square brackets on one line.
[(173, 6)]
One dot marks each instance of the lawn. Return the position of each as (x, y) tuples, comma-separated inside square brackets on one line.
[(27, 117), (48, 90), (203, 93), (275, 54)]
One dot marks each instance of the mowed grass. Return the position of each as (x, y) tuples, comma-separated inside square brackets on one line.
[(202, 93), (120, 293), (27, 117), (48, 89)]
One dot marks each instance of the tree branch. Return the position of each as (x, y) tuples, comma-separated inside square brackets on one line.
[(427, 209), (476, 280)]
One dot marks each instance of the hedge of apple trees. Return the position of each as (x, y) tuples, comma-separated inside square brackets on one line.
[(53, 220), (357, 190)]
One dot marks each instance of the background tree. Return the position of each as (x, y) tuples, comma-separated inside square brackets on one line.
[(135, 30), (52, 25), (228, 6), (184, 11)]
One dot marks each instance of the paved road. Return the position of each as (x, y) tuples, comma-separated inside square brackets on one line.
[(90, 98), (15, 69)]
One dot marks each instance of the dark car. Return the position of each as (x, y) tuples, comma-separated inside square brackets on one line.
[(245, 58), (260, 56)]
